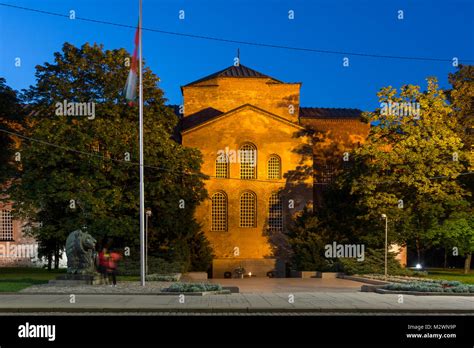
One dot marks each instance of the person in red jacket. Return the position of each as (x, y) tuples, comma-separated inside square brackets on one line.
[(103, 264), (113, 259)]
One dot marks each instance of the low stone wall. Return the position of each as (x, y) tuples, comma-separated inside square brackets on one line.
[(194, 276), (315, 274), (258, 267)]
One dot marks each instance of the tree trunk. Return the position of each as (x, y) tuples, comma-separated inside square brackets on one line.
[(467, 263), (418, 249), (56, 257), (50, 260), (445, 257)]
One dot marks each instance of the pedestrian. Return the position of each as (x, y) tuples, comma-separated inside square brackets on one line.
[(114, 258), (103, 264)]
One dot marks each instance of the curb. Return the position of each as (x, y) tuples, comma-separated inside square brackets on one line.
[(420, 293), (364, 280), (163, 293), (232, 310)]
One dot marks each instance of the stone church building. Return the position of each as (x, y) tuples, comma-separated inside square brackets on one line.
[(266, 156), (263, 164)]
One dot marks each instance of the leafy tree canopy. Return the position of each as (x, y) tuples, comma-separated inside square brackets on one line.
[(96, 182)]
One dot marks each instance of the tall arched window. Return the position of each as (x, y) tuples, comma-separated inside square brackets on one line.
[(248, 209), (219, 212), (6, 225), (222, 166), (248, 161), (274, 167), (275, 213)]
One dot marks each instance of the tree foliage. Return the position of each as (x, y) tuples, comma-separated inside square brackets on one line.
[(410, 165), (90, 175), (456, 234), (11, 119), (409, 168)]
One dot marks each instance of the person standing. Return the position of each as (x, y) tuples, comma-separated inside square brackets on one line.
[(113, 260), (103, 264)]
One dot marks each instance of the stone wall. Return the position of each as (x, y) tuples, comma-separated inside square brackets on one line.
[(270, 135), (226, 93), (257, 267)]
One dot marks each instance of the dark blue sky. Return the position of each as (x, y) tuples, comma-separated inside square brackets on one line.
[(439, 29)]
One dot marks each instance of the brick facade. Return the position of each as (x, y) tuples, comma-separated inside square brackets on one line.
[(238, 106), (20, 250)]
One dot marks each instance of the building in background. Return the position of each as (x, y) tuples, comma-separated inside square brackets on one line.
[(257, 148)]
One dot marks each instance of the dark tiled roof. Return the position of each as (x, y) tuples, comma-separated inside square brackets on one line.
[(234, 71), (198, 118), (329, 113)]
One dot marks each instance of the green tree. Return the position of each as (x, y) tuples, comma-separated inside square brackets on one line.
[(11, 118), (307, 239), (90, 175), (410, 165), (457, 234), (461, 97)]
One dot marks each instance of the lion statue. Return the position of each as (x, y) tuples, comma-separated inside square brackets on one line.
[(80, 248)]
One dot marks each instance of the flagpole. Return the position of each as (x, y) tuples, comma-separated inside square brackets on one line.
[(142, 185)]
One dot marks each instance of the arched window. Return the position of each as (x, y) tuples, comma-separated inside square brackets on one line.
[(275, 213), (327, 173), (222, 166), (248, 208), (219, 212), (6, 225), (274, 167), (248, 161)]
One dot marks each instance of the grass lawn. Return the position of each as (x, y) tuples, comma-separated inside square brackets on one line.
[(14, 279), (451, 274)]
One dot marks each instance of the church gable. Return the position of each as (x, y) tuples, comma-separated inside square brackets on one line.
[(245, 116), (236, 86), (240, 71)]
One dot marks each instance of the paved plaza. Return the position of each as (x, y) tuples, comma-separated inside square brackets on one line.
[(283, 285), (256, 296), (246, 285), (244, 302)]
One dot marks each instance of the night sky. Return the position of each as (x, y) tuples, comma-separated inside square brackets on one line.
[(433, 29)]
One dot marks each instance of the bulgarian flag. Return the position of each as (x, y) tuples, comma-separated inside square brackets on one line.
[(130, 89)]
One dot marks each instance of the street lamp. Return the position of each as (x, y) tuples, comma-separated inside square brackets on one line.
[(384, 216), (147, 214)]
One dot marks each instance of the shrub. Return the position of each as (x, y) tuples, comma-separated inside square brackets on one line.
[(432, 286), (131, 266), (307, 240), (163, 277), (374, 262), (194, 287), (201, 253)]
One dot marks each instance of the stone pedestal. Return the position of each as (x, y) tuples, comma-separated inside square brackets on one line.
[(77, 279), (194, 276)]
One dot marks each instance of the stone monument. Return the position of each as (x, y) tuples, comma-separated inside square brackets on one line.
[(80, 252), (80, 247)]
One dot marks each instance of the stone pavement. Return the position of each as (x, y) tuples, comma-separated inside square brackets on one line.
[(322, 302), (246, 285), (282, 285)]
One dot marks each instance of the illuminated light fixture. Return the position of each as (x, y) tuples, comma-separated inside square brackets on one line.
[(250, 274), (418, 266)]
